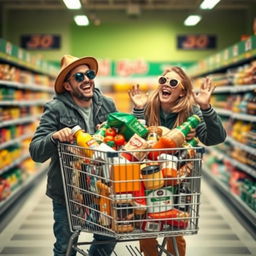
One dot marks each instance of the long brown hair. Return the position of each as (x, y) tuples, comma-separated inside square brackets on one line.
[(183, 105)]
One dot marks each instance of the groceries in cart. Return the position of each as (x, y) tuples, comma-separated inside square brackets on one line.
[(146, 180)]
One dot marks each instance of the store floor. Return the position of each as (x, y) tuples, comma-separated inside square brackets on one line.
[(220, 234)]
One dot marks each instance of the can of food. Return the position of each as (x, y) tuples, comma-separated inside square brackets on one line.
[(160, 200)]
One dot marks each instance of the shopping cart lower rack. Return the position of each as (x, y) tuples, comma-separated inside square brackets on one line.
[(133, 199)]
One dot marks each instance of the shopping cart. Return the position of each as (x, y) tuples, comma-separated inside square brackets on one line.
[(129, 200)]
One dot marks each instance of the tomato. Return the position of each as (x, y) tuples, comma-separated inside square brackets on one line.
[(110, 132), (108, 138), (119, 140)]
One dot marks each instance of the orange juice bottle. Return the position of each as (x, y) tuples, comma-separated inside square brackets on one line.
[(84, 139)]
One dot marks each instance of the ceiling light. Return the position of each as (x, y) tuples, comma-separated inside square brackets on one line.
[(81, 20), (192, 20), (72, 4), (208, 4)]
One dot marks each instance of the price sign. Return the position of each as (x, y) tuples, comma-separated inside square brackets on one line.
[(248, 44), (235, 51), (40, 42), (196, 42), (8, 48)]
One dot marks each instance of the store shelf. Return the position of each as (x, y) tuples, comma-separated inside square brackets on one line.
[(15, 55), (14, 95), (14, 163), (6, 203), (233, 55), (22, 102), (22, 120), (17, 140), (244, 117), (241, 146), (32, 87), (223, 112), (234, 199), (235, 88), (221, 155), (240, 116)]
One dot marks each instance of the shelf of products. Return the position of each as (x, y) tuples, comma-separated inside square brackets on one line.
[(13, 194), (224, 157), (234, 55), (240, 202), (24, 89), (232, 165), (18, 57)]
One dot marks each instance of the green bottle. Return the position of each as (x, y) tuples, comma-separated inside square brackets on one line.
[(192, 122), (100, 133)]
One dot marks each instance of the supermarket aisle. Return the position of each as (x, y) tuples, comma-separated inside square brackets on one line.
[(30, 232)]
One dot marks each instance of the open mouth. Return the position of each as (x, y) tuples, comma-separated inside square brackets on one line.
[(166, 92), (85, 87)]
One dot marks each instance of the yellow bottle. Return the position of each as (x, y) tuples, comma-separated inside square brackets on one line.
[(84, 139)]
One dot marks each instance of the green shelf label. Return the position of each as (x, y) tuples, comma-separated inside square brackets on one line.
[(231, 55)]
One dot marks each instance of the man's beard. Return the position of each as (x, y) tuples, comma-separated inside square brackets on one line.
[(79, 95)]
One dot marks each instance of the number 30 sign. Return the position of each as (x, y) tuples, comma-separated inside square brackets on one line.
[(40, 42), (196, 42)]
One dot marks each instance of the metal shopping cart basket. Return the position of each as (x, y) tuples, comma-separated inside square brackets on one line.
[(129, 200)]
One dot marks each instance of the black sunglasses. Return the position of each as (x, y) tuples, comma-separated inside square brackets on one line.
[(171, 82), (79, 76)]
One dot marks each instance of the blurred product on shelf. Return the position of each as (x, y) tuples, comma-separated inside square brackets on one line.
[(8, 93), (241, 75), (23, 92), (232, 165), (16, 131), (9, 72), (12, 113), (238, 182)]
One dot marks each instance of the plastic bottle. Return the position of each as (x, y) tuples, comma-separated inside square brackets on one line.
[(175, 138), (84, 139), (188, 153), (169, 168), (184, 197)]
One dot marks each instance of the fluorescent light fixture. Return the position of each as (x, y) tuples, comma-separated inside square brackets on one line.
[(81, 20), (72, 4), (192, 20), (208, 4)]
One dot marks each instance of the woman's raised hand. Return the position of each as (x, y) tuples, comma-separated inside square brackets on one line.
[(203, 96), (138, 98)]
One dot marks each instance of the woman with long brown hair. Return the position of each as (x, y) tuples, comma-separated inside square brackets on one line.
[(169, 105)]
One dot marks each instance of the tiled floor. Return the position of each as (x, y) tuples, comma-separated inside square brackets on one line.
[(30, 231)]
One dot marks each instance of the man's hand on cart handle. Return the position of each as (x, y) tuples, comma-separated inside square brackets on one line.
[(63, 135)]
